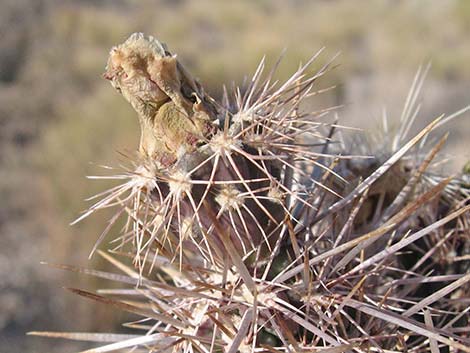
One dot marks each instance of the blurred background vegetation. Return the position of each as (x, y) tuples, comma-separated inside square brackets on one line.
[(59, 120)]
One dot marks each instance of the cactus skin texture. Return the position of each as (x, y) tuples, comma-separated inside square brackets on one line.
[(250, 230)]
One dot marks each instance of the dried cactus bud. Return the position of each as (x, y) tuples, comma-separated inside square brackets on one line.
[(173, 110)]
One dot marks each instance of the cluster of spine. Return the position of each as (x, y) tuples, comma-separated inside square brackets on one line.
[(268, 234)]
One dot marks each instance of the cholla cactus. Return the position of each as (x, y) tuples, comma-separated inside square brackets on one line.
[(249, 231)]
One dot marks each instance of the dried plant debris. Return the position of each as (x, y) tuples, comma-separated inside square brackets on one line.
[(174, 112), (250, 230)]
